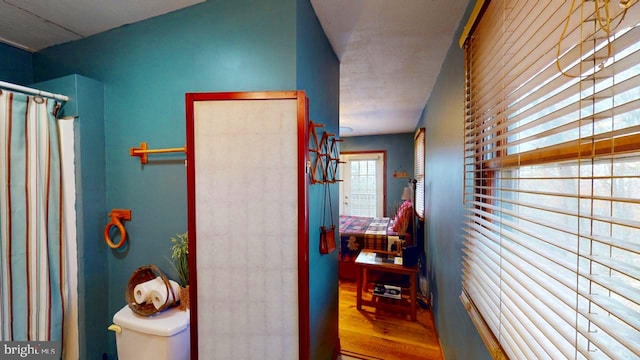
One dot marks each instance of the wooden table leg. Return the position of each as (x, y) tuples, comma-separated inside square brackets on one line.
[(359, 287), (365, 280), (413, 296)]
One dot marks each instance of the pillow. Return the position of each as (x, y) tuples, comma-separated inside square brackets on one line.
[(403, 217)]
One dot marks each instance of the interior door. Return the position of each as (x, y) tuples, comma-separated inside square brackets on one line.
[(248, 226)]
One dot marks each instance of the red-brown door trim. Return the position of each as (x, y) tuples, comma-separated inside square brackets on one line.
[(303, 206)]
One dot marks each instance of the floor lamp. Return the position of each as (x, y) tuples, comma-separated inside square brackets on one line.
[(412, 186)]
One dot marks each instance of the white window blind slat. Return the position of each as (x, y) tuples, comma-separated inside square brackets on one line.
[(551, 172), (533, 267), (617, 286), (607, 349), (490, 279), (530, 329), (560, 330), (614, 242), (419, 173), (545, 59), (619, 310), (486, 308), (529, 236), (519, 266), (488, 271), (539, 263), (560, 211), (625, 341), (620, 44), (567, 106), (490, 301), (615, 264), (524, 61), (516, 333)]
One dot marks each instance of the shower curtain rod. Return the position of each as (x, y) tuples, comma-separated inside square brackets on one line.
[(29, 90)]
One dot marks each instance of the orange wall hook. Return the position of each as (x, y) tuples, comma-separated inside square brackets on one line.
[(116, 216)]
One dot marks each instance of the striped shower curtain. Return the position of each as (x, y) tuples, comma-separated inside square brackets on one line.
[(32, 251)]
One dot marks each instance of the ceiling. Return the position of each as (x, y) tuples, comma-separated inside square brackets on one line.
[(390, 51), (36, 24), (390, 55)]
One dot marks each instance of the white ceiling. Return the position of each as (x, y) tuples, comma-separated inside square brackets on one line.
[(390, 54), (36, 24), (390, 51)]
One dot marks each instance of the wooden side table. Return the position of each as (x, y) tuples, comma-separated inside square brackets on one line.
[(366, 261)]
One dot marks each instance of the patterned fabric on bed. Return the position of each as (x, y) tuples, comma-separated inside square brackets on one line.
[(357, 233), (376, 235)]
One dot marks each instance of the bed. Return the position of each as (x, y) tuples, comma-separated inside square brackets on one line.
[(357, 233)]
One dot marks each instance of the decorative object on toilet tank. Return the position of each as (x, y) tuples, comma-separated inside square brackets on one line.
[(180, 263), (141, 275)]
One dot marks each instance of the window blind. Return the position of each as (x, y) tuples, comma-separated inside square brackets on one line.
[(551, 262), (419, 171)]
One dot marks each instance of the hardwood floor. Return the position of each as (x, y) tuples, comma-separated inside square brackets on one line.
[(371, 334)]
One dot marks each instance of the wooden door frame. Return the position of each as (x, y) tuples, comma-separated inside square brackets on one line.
[(384, 173)]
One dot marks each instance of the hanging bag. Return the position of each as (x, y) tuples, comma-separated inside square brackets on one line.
[(327, 234)]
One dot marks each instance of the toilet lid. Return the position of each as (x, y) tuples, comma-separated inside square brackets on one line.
[(166, 323)]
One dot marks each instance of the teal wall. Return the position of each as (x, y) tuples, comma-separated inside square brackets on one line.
[(443, 120), (146, 68), (399, 148), (86, 103), (15, 65), (318, 73)]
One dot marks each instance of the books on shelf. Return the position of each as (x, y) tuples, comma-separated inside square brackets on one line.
[(389, 291)]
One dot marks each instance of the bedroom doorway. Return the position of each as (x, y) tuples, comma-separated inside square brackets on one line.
[(362, 191)]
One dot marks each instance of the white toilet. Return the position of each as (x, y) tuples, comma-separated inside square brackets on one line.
[(161, 336)]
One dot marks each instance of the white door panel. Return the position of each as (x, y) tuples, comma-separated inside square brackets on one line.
[(362, 192)]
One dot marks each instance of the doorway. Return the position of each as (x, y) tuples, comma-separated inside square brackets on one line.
[(362, 192)]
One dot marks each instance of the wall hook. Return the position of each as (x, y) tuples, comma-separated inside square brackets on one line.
[(143, 151), (116, 216)]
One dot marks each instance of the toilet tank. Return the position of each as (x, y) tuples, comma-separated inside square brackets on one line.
[(161, 336)]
